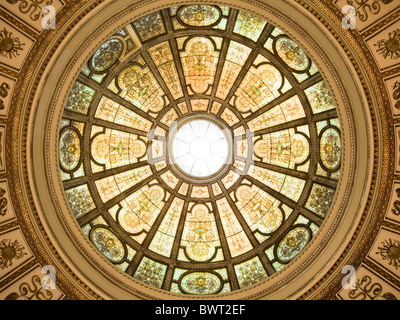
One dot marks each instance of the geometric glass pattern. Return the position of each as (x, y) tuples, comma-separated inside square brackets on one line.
[(206, 156)]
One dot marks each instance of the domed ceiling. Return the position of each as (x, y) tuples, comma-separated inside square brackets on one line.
[(206, 160), (199, 150)]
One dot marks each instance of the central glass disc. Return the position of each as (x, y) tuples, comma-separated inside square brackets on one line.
[(200, 148)]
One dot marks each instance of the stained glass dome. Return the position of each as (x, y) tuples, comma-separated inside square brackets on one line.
[(200, 149)]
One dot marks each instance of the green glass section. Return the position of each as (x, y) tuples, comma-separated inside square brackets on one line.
[(151, 272), (80, 97)]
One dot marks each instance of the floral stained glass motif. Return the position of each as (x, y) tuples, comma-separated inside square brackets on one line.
[(283, 148), (320, 97), (164, 60), (235, 58), (200, 192), (111, 111), (117, 148), (320, 199), (199, 62), (140, 87), (292, 54), (170, 179), (199, 15), (330, 148), (249, 25), (237, 240), (229, 117), (108, 244), (287, 111), (200, 234), (164, 238), (113, 185), (169, 117), (107, 55), (201, 283), (69, 149), (260, 210), (259, 86), (199, 104), (289, 186), (229, 180), (292, 243), (140, 209)]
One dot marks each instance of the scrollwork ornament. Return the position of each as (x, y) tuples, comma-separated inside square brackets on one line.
[(366, 289), (363, 6), (396, 94), (32, 6), (31, 291)]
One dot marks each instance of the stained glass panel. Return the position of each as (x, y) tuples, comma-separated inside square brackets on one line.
[(250, 272), (237, 240), (69, 149), (201, 283), (319, 97), (260, 210), (80, 97), (199, 62), (111, 111), (330, 148), (164, 238), (200, 234), (162, 56), (150, 26), (108, 244), (292, 54), (259, 87), (80, 200), (117, 148), (107, 55), (113, 185), (140, 87), (151, 272), (220, 225), (320, 199), (249, 25), (199, 15), (283, 148), (235, 58), (287, 111), (141, 208), (292, 243)]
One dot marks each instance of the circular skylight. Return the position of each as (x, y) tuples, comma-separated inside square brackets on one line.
[(200, 148)]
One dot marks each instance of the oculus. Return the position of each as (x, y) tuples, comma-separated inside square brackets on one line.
[(200, 148)]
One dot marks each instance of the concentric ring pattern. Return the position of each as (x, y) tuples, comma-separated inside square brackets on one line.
[(187, 235)]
